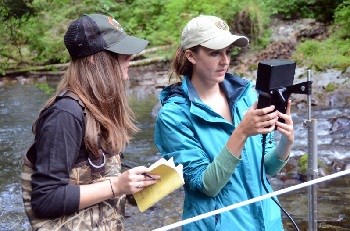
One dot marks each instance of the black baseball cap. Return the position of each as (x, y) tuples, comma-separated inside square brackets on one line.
[(93, 33)]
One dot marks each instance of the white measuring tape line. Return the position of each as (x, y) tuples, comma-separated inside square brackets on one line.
[(253, 200)]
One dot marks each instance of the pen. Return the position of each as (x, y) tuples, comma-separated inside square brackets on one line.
[(145, 174)]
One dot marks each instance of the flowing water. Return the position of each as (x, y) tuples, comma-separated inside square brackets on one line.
[(19, 105)]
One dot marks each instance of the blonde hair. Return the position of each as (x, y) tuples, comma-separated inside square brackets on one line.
[(98, 82)]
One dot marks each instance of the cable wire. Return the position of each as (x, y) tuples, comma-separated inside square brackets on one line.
[(263, 183)]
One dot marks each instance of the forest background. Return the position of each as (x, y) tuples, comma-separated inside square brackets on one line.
[(32, 30)]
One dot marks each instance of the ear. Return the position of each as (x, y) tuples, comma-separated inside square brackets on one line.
[(191, 56)]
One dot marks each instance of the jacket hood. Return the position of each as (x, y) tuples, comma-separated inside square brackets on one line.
[(181, 91)]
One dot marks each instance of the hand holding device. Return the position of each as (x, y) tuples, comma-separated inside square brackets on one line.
[(274, 77)]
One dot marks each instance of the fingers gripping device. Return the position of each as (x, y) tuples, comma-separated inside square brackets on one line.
[(274, 83)]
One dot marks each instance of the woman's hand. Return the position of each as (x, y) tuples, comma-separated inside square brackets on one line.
[(259, 121), (128, 182), (133, 180), (255, 121), (286, 128)]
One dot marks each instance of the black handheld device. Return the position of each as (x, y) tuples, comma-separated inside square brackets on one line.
[(273, 79), (274, 85)]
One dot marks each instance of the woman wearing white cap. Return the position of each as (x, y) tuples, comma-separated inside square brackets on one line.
[(72, 178), (209, 123)]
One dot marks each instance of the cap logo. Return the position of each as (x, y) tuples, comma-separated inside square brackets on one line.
[(115, 23), (221, 25)]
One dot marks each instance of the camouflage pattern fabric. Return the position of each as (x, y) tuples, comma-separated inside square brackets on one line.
[(104, 216)]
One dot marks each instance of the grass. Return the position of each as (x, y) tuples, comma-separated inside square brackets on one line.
[(330, 53), (46, 88)]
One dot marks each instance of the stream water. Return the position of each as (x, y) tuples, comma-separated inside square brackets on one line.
[(19, 105)]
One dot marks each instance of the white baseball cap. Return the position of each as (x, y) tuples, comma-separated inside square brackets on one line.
[(210, 32)]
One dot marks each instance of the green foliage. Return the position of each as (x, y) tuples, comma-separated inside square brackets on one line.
[(32, 30), (161, 21), (322, 10), (52, 24), (330, 87), (38, 38), (303, 164), (14, 8), (46, 88), (330, 53), (342, 19), (259, 20)]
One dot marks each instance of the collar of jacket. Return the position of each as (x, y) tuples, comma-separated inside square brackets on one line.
[(233, 86)]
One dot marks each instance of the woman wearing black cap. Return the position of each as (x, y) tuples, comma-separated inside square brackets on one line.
[(72, 178)]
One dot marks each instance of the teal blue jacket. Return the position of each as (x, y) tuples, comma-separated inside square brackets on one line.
[(193, 134)]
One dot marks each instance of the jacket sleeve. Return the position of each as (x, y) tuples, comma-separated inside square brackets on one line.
[(218, 172), (174, 137), (272, 163), (58, 141)]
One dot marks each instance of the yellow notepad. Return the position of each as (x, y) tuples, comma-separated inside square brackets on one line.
[(171, 179)]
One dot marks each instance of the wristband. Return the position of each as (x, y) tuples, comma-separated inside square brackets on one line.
[(110, 182)]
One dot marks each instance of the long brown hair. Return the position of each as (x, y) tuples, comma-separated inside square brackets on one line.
[(98, 82)]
